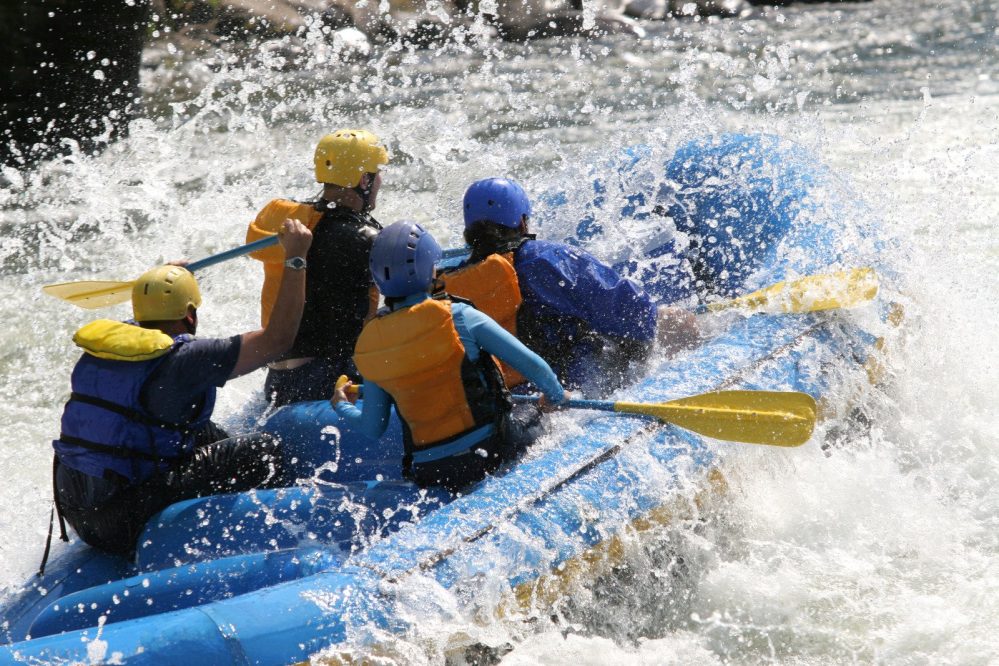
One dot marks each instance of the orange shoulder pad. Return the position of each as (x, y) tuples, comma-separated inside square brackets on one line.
[(269, 221), (491, 285)]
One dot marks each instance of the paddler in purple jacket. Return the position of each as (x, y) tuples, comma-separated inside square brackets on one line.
[(577, 313)]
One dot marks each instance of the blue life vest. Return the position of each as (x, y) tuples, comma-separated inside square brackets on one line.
[(106, 428)]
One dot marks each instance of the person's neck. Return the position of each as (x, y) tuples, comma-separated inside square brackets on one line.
[(500, 247), (171, 328), (406, 301), (342, 196)]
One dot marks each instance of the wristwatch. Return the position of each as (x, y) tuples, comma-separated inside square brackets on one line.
[(295, 263)]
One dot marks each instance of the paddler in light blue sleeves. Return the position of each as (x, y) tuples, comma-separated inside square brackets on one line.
[(576, 312), (432, 358)]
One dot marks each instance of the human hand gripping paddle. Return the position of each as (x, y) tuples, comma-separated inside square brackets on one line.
[(777, 418), (94, 294)]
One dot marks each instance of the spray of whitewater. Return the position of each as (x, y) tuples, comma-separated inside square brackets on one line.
[(882, 548)]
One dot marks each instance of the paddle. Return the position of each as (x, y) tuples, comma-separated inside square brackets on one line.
[(778, 418), (455, 252), (813, 293), (93, 294)]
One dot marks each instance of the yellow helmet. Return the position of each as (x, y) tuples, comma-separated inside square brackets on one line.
[(345, 155), (164, 294)]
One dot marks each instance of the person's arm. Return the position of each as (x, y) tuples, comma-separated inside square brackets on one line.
[(494, 339), (678, 330), (175, 389), (267, 344), (575, 283), (373, 297), (373, 419)]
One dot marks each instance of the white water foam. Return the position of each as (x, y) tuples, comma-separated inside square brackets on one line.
[(886, 551)]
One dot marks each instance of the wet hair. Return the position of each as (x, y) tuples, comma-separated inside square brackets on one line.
[(486, 238)]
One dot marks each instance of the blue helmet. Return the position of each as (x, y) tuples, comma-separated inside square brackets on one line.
[(402, 259), (498, 200)]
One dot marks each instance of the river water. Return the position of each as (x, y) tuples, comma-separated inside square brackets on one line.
[(885, 552)]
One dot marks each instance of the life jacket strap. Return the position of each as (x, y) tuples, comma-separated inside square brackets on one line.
[(131, 414), (450, 448), (56, 512), (444, 296), (116, 451)]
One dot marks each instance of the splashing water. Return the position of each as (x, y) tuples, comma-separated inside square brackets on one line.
[(885, 551)]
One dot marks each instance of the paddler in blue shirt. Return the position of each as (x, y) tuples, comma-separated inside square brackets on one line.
[(432, 358), (577, 313), (137, 433)]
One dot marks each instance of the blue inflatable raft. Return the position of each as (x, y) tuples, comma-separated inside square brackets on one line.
[(277, 576)]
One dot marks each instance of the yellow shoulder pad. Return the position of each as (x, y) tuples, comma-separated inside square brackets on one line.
[(117, 341), (269, 221)]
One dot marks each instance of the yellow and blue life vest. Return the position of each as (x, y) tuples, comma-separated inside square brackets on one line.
[(105, 428)]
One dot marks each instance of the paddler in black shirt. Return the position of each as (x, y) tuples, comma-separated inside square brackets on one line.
[(340, 295)]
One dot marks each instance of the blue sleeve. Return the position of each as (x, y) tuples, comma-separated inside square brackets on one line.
[(372, 420), (175, 388), (494, 339), (575, 283)]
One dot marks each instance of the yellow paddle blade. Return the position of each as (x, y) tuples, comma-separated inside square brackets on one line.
[(813, 293), (756, 417), (92, 294)]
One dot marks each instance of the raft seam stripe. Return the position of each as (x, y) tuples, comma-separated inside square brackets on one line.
[(780, 351), (232, 642)]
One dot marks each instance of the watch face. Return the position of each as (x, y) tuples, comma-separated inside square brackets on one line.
[(298, 263)]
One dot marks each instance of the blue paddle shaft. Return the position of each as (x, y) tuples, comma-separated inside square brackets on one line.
[(272, 240), (233, 253), (455, 252), (599, 405)]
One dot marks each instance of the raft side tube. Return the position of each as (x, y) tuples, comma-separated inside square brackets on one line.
[(338, 516), (282, 624), (182, 587), (76, 569), (315, 442)]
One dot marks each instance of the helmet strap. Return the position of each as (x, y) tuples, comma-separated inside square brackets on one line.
[(364, 191), (191, 322)]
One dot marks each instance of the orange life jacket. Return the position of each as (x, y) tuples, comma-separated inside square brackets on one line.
[(268, 222), (492, 286), (416, 356)]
